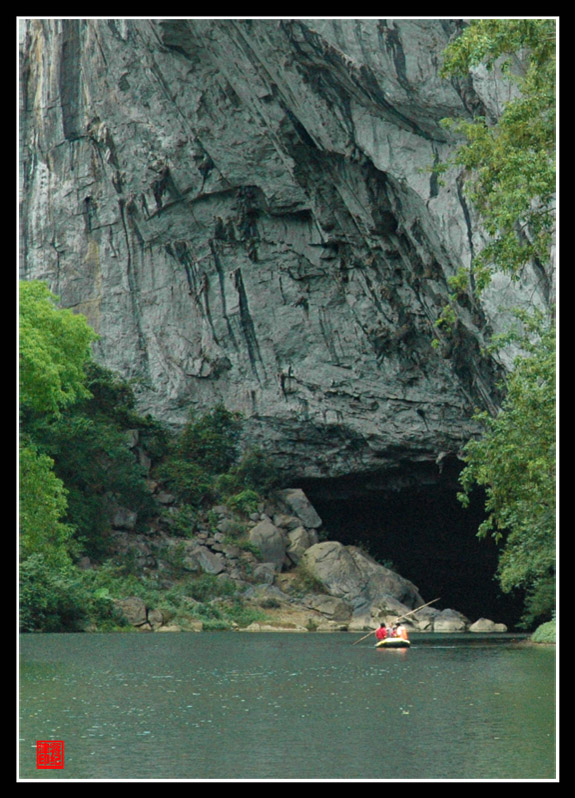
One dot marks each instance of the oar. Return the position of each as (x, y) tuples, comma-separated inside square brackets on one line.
[(373, 631)]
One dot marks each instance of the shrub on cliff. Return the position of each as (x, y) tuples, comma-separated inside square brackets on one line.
[(206, 447), (203, 464)]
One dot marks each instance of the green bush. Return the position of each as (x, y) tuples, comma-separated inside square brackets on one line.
[(305, 581), (245, 502), (205, 450), (183, 521), (239, 613), (207, 587), (52, 601), (255, 472), (546, 633), (189, 482), (87, 444), (211, 441)]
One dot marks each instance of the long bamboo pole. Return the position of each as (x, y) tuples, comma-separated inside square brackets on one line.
[(373, 631), (416, 610)]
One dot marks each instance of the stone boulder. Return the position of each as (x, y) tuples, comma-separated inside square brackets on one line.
[(287, 522), (299, 505), (209, 562), (155, 619), (349, 573), (270, 541), (485, 625), (334, 609), (450, 621), (299, 540), (133, 609), (264, 572), (124, 518)]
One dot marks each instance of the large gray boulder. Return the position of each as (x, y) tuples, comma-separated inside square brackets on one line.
[(270, 541), (299, 540), (133, 609), (299, 504), (349, 573), (450, 621), (333, 608), (486, 625)]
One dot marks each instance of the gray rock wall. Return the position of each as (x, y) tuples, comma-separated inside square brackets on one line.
[(242, 210)]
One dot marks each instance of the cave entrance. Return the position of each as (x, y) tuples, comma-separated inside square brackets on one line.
[(423, 532)]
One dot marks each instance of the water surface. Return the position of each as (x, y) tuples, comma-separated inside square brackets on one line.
[(287, 706)]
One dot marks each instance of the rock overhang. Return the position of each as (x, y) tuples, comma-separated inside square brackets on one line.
[(244, 212)]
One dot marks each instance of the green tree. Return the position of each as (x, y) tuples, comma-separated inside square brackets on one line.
[(511, 180), (88, 442), (54, 345), (511, 161), (514, 461), (43, 506), (53, 349), (206, 448)]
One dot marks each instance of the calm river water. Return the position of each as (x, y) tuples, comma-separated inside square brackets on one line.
[(281, 706)]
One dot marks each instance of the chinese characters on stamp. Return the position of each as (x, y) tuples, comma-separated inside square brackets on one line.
[(50, 754)]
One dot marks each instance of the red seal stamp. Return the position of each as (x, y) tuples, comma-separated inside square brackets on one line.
[(50, 754)]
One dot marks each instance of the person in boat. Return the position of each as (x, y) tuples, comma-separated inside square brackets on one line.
[(381, 633), (401, 631)]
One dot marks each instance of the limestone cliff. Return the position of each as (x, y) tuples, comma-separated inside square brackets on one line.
[(243, 211)]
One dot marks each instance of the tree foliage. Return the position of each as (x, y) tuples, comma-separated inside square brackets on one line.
[(77, 464), (511, 180), (511, 161), (74, 459), (88, 442), (43, 507), (53, 349), (204, 463), (514, 461), (54, 345)]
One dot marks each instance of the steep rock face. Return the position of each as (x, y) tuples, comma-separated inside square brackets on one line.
[(242, 210)]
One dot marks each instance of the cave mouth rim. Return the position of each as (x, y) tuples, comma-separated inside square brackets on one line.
[(431, 472), (443, 553)]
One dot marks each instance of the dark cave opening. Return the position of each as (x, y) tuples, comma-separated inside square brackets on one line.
[(425, 534)]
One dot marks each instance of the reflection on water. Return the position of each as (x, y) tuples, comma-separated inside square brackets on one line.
[(287, 706)]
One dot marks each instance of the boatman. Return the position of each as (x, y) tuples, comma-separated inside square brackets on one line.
[(401, 631), (381, 633)]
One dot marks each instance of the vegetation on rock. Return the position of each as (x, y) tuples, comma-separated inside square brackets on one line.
[(77, 465)]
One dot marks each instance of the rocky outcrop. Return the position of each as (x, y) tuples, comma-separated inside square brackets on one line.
[(243, 210), (278, 566)]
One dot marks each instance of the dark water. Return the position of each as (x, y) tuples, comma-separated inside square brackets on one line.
[(287, 706)]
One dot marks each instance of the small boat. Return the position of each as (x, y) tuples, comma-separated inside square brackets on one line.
[(393, 642)]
